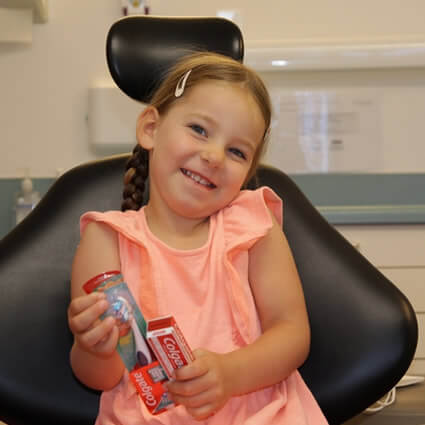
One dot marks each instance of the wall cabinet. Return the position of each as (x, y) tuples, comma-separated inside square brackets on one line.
[(38, 8), (398, 251), (17, 18)]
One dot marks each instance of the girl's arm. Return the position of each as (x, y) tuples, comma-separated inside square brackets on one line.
[(94, 359), (285, 341)]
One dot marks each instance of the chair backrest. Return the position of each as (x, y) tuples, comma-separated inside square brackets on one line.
[(364, 331), (140, 49)]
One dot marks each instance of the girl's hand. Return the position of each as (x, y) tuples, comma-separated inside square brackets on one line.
[(203, 386), (99, 337)]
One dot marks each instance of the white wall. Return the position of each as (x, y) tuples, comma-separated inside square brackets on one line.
[(43, 88), (313, 21), (44, 85)]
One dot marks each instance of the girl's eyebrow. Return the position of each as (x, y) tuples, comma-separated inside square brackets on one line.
[(249, 144), (199, 115)]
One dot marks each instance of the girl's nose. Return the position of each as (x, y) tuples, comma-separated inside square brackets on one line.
[(213, 155)]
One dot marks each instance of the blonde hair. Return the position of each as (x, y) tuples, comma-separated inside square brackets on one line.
[(203, 66)]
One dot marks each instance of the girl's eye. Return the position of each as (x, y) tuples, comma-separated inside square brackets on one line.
[(238, 153), (198, 129)]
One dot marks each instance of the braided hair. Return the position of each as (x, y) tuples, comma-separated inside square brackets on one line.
[(202, 66), (137, 171)]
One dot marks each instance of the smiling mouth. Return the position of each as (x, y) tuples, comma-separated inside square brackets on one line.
[(198, 179)]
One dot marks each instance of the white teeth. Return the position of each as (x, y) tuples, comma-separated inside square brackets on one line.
[(197, 178)]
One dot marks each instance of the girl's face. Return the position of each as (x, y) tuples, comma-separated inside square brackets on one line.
[(202, 148)]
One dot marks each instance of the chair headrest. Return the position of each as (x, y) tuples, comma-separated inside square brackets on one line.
[(140, 49)]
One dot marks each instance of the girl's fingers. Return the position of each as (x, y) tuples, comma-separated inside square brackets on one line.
[(201, 413), (90, 332), (193, 401), (97, 334), (79, 304), (81, 319), (188, 388), (108, 343), (193, 370)]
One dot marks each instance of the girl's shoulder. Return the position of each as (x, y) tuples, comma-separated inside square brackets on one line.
[(127, 223), (248, 216), (256, 205)]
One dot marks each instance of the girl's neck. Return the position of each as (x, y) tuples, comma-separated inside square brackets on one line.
[(177, 232)]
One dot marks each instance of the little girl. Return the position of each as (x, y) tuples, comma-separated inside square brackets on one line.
[(203, 250)]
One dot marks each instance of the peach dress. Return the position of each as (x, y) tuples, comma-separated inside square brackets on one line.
[(207, 291)]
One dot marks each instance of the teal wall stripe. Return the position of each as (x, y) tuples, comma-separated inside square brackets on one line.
[(366, 198), (363, 189), (340, 198)]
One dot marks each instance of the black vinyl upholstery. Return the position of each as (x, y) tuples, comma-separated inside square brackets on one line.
[(364, 330), (139, 55)]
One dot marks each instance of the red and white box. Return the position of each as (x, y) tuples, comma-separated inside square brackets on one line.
[(168, 343)]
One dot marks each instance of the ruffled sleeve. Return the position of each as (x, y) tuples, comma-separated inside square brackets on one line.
[(126, 223), (247, 218)]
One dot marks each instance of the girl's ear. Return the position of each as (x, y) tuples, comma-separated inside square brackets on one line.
[(147, 124)]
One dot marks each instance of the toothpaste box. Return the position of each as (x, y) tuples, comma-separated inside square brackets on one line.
[(168, 343), (148, 370), (148, 381)]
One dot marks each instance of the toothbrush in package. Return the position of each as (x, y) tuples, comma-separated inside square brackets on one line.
[(150, 351)]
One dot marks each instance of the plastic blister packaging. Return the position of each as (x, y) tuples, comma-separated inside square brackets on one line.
[(145, 371)]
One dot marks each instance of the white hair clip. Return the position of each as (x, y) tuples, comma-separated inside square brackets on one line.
[(182, 84)]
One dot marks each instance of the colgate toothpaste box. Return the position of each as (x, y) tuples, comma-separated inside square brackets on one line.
[(146, 372), (148, 381), (168, 343)]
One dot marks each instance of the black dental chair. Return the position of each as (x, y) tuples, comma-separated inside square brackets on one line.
[(364, 331)]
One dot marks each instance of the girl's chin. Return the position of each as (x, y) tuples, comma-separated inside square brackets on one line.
[(194, 213)]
